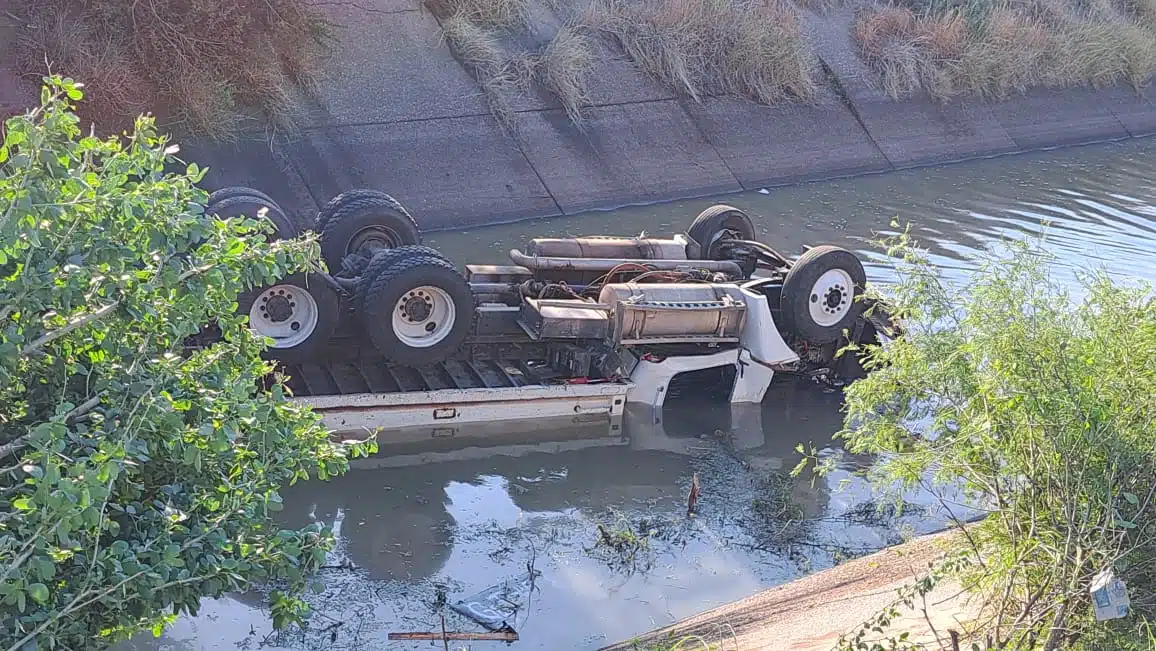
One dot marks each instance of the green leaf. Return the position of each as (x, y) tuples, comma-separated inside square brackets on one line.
[(39, 592), (3, 154), (1131, 499), (46, 569), (23, 504)]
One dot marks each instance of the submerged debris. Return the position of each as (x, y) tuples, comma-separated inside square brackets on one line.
[(497, 605), (882, 514)]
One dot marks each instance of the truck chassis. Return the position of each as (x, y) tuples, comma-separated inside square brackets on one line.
[(395, 335)]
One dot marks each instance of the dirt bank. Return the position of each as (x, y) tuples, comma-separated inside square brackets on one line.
[(811, 613)]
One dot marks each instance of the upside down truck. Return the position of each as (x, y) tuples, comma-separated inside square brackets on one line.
[(396, 335)]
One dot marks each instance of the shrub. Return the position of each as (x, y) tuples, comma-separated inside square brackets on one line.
[(200, 63), (136, 476), (1039, 406)]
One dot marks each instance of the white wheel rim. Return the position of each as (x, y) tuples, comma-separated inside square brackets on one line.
[(831, 297), (287, 314), (423, 316)]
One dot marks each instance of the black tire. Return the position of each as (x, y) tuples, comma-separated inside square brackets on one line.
[(382, 260), (366, 222), (380, 295), (238, 191), (336, 203), (716, 221), (839, 301), (327, 306), (250, 206)]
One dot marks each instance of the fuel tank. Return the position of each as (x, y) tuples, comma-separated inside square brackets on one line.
[(654, 313), (626, 248)]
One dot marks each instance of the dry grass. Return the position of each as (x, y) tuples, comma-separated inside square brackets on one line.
[(1000, 48), (487, 13), (712, 47), (198, 63), (564, 67), (479, 49), (474, 29)]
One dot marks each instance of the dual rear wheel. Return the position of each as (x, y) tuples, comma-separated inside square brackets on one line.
[(411, 302)]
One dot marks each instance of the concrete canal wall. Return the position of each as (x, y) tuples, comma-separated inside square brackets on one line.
[(399, 113)]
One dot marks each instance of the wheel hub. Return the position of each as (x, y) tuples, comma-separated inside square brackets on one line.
[(830, 297), (722, 236), (835, 297), (424, 316), (833, 301), (277, 307), (286, 313), (417, 307), (372, 238)]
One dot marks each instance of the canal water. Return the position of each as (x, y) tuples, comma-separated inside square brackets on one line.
[(578, 535)]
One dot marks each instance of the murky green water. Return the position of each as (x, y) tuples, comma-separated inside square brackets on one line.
[(464, 521)]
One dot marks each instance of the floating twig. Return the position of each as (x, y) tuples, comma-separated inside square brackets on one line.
[(692, 497)]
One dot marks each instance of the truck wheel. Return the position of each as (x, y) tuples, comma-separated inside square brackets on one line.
[(299, 313), (363, 222), (819, 292), (417, 311), (716, 224), (238, 191), (334, 204), (252, 206), (382, 260)]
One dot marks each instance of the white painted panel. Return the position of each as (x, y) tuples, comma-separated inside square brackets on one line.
[(365, 412)]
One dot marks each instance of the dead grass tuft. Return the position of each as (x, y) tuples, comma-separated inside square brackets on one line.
[(564, 68), (820, 6), (488, 13), (198, 62), (996, 49), (473, 29), (712, 47), (479, 49)]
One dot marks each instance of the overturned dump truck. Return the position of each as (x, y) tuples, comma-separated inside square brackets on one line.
[(396, 335)]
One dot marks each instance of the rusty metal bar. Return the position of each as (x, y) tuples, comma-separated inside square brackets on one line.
[(494, 636)]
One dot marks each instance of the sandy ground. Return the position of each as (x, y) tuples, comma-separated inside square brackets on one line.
[(810, 614)]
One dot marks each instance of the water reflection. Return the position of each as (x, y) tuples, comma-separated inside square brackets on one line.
[(1099, 203), (445, 525)]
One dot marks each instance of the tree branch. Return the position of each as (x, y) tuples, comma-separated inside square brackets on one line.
[(80, 322)]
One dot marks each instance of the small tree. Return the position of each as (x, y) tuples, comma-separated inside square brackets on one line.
[(136, 475), (1041, 407)]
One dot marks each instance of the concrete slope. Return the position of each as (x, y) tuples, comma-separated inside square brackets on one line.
[(400, 114)]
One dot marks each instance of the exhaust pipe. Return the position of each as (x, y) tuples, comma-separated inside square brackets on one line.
[(540, 263)]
